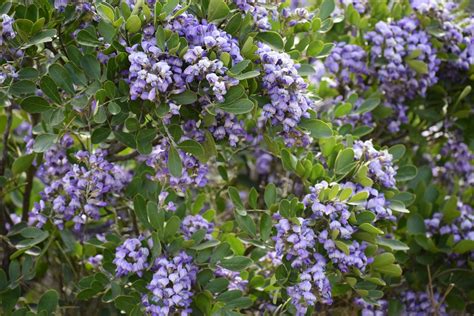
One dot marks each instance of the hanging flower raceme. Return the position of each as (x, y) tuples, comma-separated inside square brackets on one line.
[(6, 30), (82, 192)]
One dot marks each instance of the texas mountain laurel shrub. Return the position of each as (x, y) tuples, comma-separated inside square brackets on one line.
[(236, 157)]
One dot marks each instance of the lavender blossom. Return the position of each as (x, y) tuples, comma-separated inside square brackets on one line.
[(6, 31), (80, 193), (171, 286), (193, 223), (396, 50), (235, 280), (131, 257), (379, 162), (286, 89)]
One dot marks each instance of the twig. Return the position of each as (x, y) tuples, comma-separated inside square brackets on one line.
[(430, 288), (30, 174), (4, 216)]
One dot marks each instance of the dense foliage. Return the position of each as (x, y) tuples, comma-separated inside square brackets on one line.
[(228, 157)]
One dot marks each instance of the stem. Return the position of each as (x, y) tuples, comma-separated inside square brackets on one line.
[(30, 174), (4, 215)]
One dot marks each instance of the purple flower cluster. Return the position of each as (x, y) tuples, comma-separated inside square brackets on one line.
[(193, 223), (228, 125), (286, 89), (154, 72), (348, 64), (235, 280), (367, 309), (294, 241), (194, 173), (81, 192), (313, 286), (379, 162), (404, 60), (6, 31), (55, 162), (334, 215), (455, 35), (171, 286), (296, 16), (355, 258), (259, 13), (419, 304), (205, 35), (361, 6), (131, 257), (461, 228), (454, 165)]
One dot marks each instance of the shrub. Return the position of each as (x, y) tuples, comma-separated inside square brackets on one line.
[(218, 157)]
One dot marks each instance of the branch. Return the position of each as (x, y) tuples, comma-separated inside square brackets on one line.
[(30, 174), (4, 216)]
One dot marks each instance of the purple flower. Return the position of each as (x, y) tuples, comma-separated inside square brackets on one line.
[(79, 194), (286, 89), (6, 31), (396, 50), (194, 173), (171, 286), (131, 257), (235, 280), (294, 241), (193, 223), (379, 162), (348, 64)]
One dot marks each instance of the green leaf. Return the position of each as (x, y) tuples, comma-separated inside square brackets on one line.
[(393, 270), (43, 142), (405, 173), (86, 38), (383, 259), (271, 38), (22, 163), (91, 66), (21, 87), (62, 78), (238, 68), (394, 245), (106, 12), (265, 226), (418, 66), (174, 162), (100, 134), (155, 218), (270, 195), (192, 147), (133, 24), (240, 106), (41, 37), (464, 246), (187, 97), (48, 302), (35, 104), (172, 227), (397, 151), (217, 9), (247, 224), (236, 263), (368, 105), (206, 245), (314, 48), (247, 75), (140, 209), (235, 197), (317, 128), (416, 224), (370, 229), (344, 161), (327, 7), (49, 87)]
